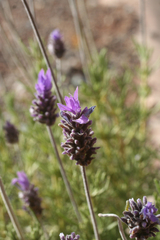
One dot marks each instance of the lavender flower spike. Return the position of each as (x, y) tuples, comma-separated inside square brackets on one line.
[(11, 133), (28, 193), (73, 236), (55, 44), (141, 219), (44, 108), (77, 134)]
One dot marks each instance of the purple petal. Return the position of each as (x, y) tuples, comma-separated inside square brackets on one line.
[(154, 218), (14, 181), (87, 111), (76, 94), (56, 35), (48, 82), (68, 102), (82, 120), (63, 107)]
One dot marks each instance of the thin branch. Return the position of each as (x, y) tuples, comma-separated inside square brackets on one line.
[(119, 223), (10, 211), (63, 173), (86, 189), (39, 40), (58, 67), (87, 28), (80, 38), (32, 7)]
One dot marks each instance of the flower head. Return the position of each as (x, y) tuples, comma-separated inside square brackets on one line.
[(78, 136), (44, 108), (55, 44), (72, 236), (73, 106), (22, 181), (11, 133), (28, 193), (141, 219), (44, 84)]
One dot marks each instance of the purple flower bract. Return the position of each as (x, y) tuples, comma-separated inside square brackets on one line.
[(22, 181)]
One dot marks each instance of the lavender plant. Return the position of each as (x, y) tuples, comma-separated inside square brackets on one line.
[(125, 156), (77, 132), (141, 219), (44, 109), (79, 142), (11, 133), (55, 44), (28, 193)]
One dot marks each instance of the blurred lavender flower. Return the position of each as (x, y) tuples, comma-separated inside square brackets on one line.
[(77, 134), (73, 236), (141, 219), (56, 44), (29, 193), (11, 133), (44, 107)]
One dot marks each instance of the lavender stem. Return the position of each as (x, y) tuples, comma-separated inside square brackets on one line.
[(63, 173), (10, 211), (119, 223), (86, 188), (42, 48)]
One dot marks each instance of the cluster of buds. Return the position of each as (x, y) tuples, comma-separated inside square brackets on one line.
[(11, 133), (73, 236), (77, 132), (44, 108), (28, 193), (55, 44), (141, 219)]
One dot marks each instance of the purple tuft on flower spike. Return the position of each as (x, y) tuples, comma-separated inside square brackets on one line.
[(55, 44), (141, 219), (44, 108), (78, 136), (11, 133), (73, 236), (29, 193)]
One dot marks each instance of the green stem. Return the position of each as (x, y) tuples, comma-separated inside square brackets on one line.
[(10, 211), (86, 189)]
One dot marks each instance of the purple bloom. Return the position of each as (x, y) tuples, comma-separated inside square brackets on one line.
[(28, 194), (11, 133), (44, 108), (77, 134), (56, 44), (73, 236), (148, 212), (141, 219), (22, 181), (44, 84), (73, 105), (56, 35)]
